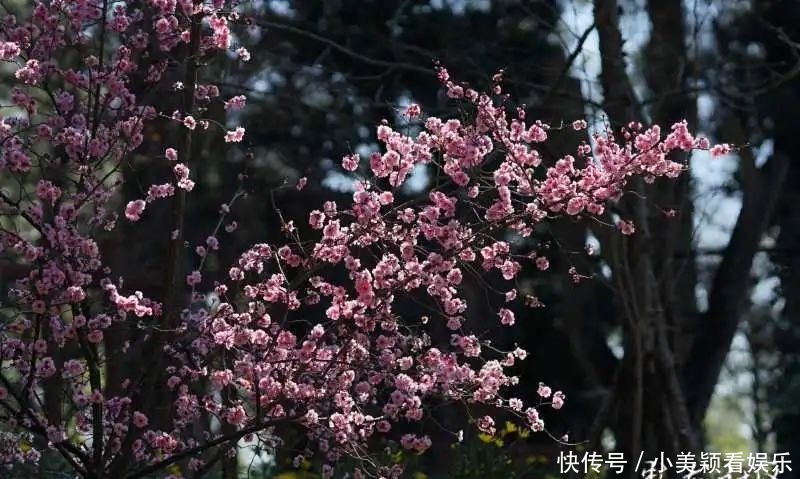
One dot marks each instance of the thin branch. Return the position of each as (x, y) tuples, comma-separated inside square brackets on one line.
[(158, 466), (568, 64), (343, 49)]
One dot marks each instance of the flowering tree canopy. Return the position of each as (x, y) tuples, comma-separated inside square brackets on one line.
[(304, 332)]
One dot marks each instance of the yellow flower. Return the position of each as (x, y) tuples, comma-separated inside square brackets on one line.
[(510, 427), (485, 438), (175, 470), (297, 474)]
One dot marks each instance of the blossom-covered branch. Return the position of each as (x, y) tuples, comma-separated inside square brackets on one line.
[(307, 331)]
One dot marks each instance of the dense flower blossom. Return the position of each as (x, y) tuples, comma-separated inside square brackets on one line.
[(236, 103), (189, 122), (558, 400), (626, 227), (8, 50), (234, 136), (243, 54), (134, 210), (506, 317), (304, 332), (350, 162), (720, 150)]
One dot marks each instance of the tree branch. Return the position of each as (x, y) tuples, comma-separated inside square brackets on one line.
[(194, 450)]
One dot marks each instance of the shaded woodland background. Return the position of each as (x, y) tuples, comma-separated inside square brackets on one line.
[(687, 337)]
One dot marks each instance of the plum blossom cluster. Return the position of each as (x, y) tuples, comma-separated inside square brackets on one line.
[(362, 369), (81, 77), (305, 333)]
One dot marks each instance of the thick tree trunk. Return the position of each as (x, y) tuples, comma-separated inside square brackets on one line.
[(652, 413)]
